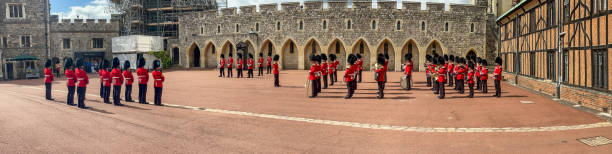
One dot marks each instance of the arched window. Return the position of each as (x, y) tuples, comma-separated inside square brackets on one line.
[(270, 48), (231, 49), (301, 25), (386, 48), (257, 27), (373, 24), (423, 26), (446, 27), (212, 48), (348, 24), (237, 28), (202, 30), (361, 47), (278, 25), (337, 47), (218, 29), (472, 27), (291, 47), (324, 24), (409, 48), (399, 25)]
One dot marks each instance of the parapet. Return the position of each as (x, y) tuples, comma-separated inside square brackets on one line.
[(228, 11), (78, 21), (362, 4), (248, 9), (432, 6), (313, 5), (290, 6), (337, 4), (268, 8), (90, 20), (387, 5), (463, 7), (411, 5), (54, 18)]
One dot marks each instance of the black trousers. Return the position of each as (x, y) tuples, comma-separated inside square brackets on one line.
[(128, 93), (360, 76), (221, 72), (276, 82), (336, 76), (435, 87), (460, 86), (70, 99), (117, 95), (441, 90), (497, 88), (239, 73), (450, 79), (381, 89), (331, 78), (107, 94), (471, 86), (230, 73), (429, 81), (48, 91), (142, 93), (158, 95), (268, 70), (350, 87), (260, 71), (484, 86), (313, 88), (250, 73), (319, 85), (324, 81), (101, 89), (478, 83), (409, 80), (81, 96)]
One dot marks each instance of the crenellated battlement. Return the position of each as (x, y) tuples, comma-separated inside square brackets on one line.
[(313, 5), (268, 8), (248, 9), (290, 6), (435, 7), (391, 5), (83, 25)]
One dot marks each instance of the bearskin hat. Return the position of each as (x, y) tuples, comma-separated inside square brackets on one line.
[(470, 65), (104, 64), (428, 57), (230, 55), (446, 57), (156, 64), (312, 57), (323, 57), (141, 62), (270, 54), (332, 57), (441, 61), (478, 60), (239, 55), (358, 56), (48, 63), (260, 54), (79, 62), (222, 55), (451, 58), (351, 59), (250, 55), (116, 62), (276, 57), (484, 63), (434, 60), (126, 65), (498, 60), (408, 56), (380, 60), (318, 58), (68, 63), (436, 55)]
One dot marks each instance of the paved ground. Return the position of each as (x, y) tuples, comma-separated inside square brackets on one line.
[(207, 114)]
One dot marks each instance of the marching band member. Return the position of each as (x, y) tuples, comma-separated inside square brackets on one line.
[(331, 68), (460, 75), (83, 79), (106, 79), (275, 71), (484, 75), (497, 76), (427, 69), (359, 66), (324, 70), (408, 70), (441, 77), (48, 79), (260, 62), (143, 80), (445, 58), (129, 80), (318, 74), (470, 78), (239, 64), (70, 81), (350, 76), (450, 70), (158, 78), (230, 65), (117, 79), (312, 76), (380, 76), (222, 66), (434, 72), (250, 66), (269, 63)]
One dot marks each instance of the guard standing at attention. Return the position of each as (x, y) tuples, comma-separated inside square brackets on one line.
[(48, 79), (441, 77), (324, 67), (143, 80), (460, 71), (450, 69), (117, 79), (470, 78), (269, 63), (250, 66), (318, 66), (380, 77), (331, 68), (275, 72), (427, 68), (158, 78), (336, 64), (239, 64), (100, 73), (260, 62), (478, 70), (129, 80), (222, 66), (497, 76), (360, 66), (408, 70), (106, 79), (350, 76), (484, 76), (83, 79), (312, 76), (70, 81), (386, 65), (230, 65)]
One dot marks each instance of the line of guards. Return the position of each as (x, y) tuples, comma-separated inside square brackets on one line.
[(116, 77), (272, 67)]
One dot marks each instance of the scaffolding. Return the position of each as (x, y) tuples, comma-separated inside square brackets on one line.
[(156, 17)]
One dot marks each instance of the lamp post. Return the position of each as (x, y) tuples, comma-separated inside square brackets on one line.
[(560, 35)]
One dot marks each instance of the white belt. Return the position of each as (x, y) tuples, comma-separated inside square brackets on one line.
[(81, 79), (105, 79), (47, 75), (69, 78), (116, 77), (142, 76), (128, 78), (158, 79)]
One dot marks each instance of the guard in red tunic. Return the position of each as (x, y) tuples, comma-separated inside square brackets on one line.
[(250, 65), (70, 81), (222, 66), (106, 80), (324, 67), (427, 69), (478, 70), (129, 80), (230, 65), (269, 63), (240, 66), (408, 65), (117, 79), (497, 76), (83, 79), (386, 65), (350, 76), (360, 66), (380, 77), (441, 78), (484, 76), (312, 76), (461, 69), (457, 65), (159, 79), (470, 78), (336, 64), (275, 71), (101, 70), (48, 79), (318, 66), (260, 62), (143, 80), (450, 69), (331, 68)]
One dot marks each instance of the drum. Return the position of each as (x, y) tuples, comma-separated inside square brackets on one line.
[(404, 83)]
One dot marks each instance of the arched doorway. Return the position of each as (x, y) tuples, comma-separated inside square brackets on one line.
[(434, 47), (227, 49), (251, 50), (211, 55), (312, 47), (289, 58), (337, 47), (268, 48), (471, 53), (194, 56), (361, 47), (386, 47), (175, 55), (411, 48)]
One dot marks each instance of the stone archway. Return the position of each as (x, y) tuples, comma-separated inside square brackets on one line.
[(411, 48), (472, 52), (194, 56), (386, 47), (251, 50), (227, 49), (361, 47), (268, 47), (211, 55), (434, 47), (312, 47), (289, 56), (337, 47)]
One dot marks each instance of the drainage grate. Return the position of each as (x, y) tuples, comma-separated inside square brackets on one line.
[(595, 141)]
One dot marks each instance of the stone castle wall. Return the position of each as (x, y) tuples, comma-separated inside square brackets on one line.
[(201, 31), (81, 33)]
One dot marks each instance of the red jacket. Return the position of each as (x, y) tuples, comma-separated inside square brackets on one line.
[(427, 69), (497, 72), (460, 72), (222, 63), (159, 78), (478, 69), (269, 61), (106, 78), (239, 63), (331, 68), (324, 68), (408, 68), (275, 68), (117, 77), (260, 62), (129, 78), (336, 64), (442, 74), (230, 62), (250, 63), (82, 77), (381, 74), (450, 67), (470, 77), (360, 65), (70, 78), (484, 74), (312, 74), (349, 74), (48, 75), (386, 64), (143, 75)]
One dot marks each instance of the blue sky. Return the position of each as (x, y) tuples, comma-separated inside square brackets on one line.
[(97, 9)]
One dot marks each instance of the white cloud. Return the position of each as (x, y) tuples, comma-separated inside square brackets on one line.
[(96, 9)]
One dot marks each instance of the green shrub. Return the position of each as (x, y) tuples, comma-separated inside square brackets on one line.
[(164, 57)]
